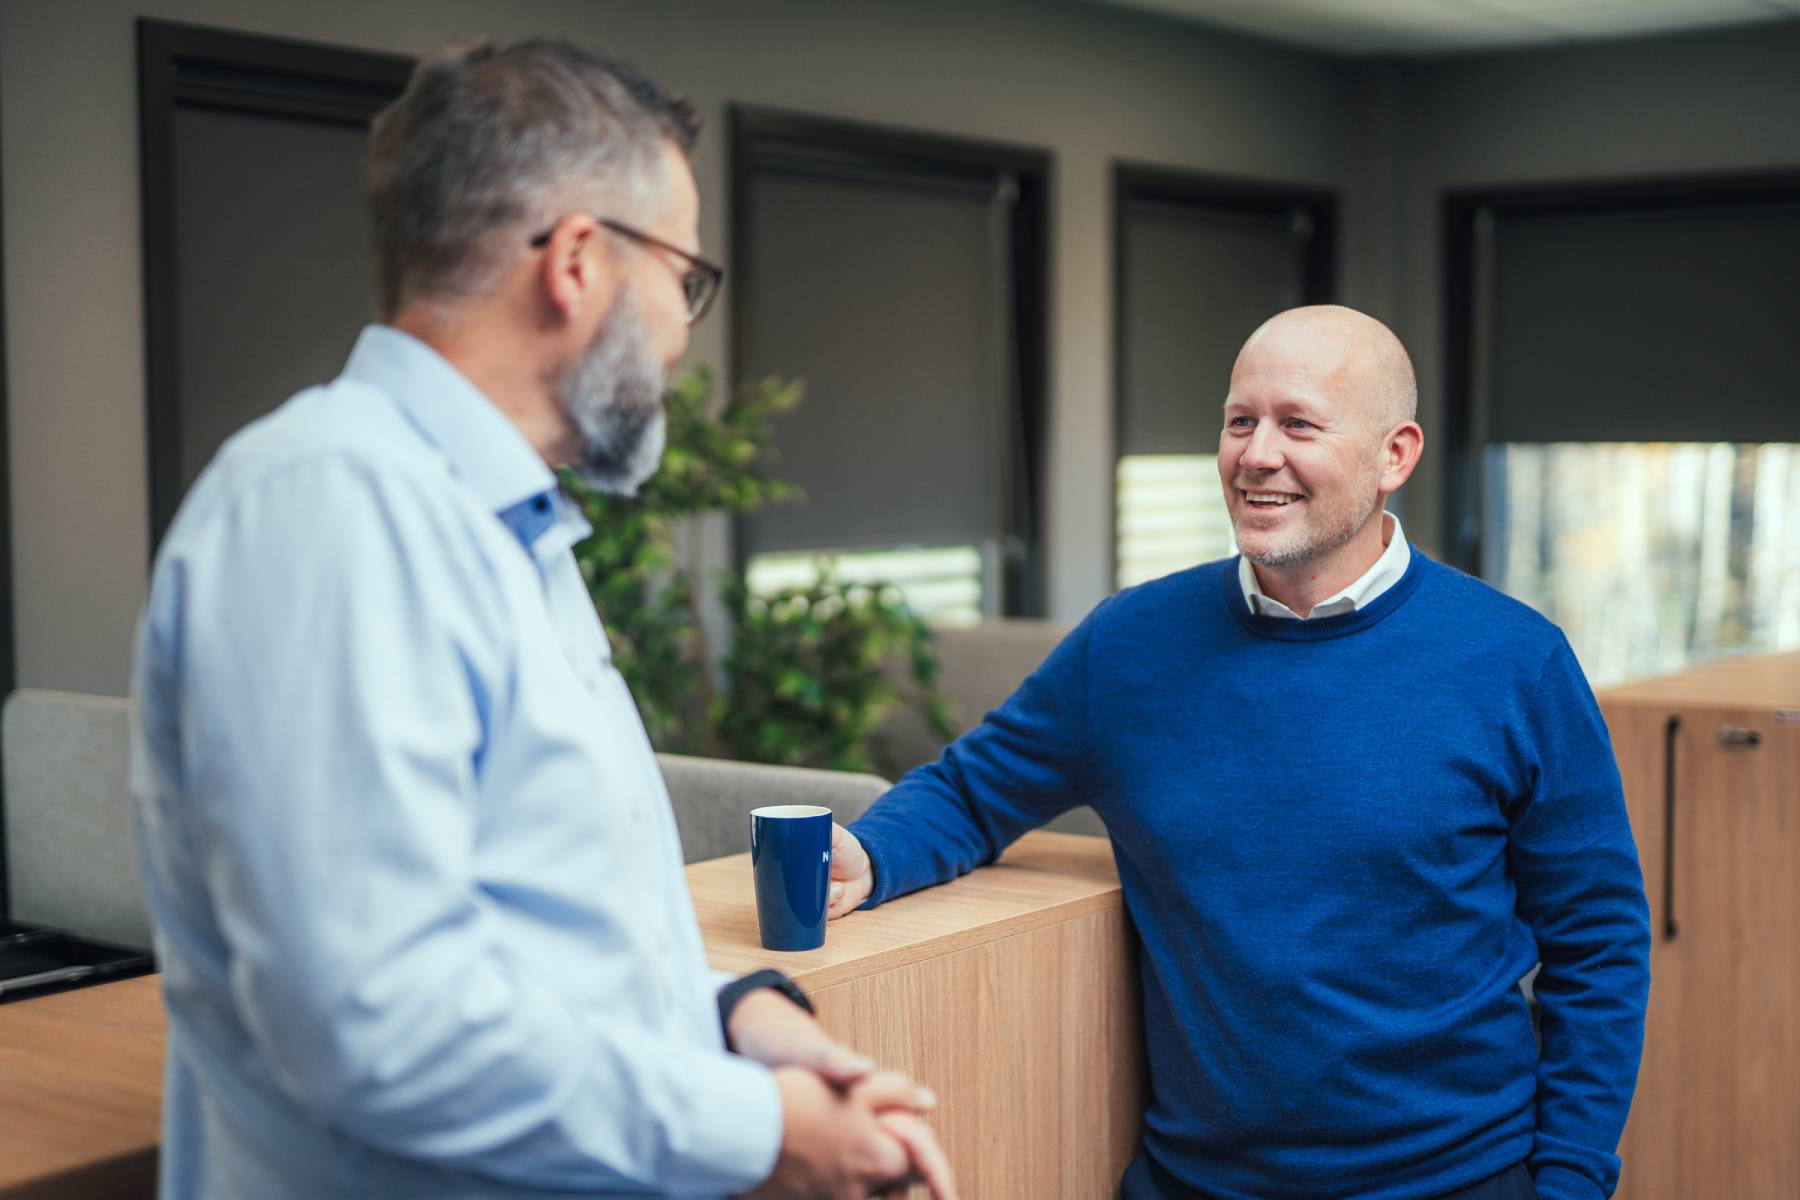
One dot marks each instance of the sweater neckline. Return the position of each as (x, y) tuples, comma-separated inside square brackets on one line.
[(1287, 629)]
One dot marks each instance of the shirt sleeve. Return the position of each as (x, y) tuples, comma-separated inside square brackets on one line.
[(342, 650), (1580, 889), (1025, 764)]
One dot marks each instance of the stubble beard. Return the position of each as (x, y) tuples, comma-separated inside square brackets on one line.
[(614, 397), (1313, 542)]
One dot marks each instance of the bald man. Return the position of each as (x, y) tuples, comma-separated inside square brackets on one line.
[(1354, 796)]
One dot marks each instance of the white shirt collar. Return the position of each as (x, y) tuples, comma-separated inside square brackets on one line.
[(482, 447), (1377, 579)]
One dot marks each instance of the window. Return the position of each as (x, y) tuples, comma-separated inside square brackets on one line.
[(1171, 515), (1650, 555), (1200, 264), (901, 277), (1623, 373), (943, 584), (243, 136)]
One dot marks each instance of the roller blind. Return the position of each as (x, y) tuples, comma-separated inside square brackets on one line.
[(272, 238), (1678, 326), (1195, 283), (890, 297)]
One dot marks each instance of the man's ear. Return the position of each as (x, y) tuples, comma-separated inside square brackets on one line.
[(1400, 454), (577, 269)]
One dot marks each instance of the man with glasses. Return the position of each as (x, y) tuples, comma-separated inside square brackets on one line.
[(700, 279), (417, 887)]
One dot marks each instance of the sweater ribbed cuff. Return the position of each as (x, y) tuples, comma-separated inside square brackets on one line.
[(870, 845)]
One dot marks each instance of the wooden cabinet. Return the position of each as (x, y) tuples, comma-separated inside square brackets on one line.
[(1717, 1111), (1012, 992)]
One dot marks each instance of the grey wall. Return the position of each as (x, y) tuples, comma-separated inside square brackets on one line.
[(1086, 82), (1658, 107)]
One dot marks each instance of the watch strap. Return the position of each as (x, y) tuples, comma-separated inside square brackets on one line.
[(737, 989)]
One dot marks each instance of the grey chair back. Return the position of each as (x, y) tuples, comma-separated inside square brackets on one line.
[(70, 858), (713, 798), (979, 666)]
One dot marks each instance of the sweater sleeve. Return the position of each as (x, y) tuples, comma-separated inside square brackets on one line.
[(1581, 891), (1022, 766)]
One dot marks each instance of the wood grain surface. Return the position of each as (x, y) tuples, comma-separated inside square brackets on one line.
[(1013, 992), (1717, 1111), (1033, 1045), (81, 1092), (1763, 681), (1649, 1149), (1042, 879)]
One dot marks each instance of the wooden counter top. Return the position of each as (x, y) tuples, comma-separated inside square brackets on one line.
[(1042, 879), (81, 1091), (1012, 992), (1769, 681), (81, 1072)]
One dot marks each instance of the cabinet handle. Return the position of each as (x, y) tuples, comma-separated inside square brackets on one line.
[(1734, 736), (1669, 732)]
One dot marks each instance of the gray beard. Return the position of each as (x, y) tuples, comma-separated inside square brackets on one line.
[(614, 396)]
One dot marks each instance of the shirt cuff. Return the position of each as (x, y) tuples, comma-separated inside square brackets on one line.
[(1561, 1183), (741, 1128)]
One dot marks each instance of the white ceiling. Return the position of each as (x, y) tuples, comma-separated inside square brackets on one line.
[(1426, 27)]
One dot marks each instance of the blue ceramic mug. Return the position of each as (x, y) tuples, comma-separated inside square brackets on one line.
[(790, 853)]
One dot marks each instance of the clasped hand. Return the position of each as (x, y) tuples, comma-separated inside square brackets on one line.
[(848, 1131)]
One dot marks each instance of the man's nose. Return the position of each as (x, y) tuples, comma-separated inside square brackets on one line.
[(1263, 451)]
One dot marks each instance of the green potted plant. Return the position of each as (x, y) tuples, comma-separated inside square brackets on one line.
[(804, 679)]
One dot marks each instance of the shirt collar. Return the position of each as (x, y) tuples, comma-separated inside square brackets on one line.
[(1377, 579), (483, 449)]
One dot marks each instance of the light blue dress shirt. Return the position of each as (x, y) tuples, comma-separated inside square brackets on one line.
[(416, 882)]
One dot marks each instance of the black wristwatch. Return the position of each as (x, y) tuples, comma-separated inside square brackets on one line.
[(737, 989)]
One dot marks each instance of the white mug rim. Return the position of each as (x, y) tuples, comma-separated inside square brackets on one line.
[(790, 812)]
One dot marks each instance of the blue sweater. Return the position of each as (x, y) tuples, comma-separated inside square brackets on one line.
[(1342, 842)]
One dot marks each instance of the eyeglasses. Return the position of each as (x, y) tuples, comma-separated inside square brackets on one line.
[(699, 283)]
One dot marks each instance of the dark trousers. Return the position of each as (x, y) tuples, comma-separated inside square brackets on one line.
[(1144, 1180)]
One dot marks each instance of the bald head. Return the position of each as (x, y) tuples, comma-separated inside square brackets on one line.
[(1358, 357), (1318, 431)]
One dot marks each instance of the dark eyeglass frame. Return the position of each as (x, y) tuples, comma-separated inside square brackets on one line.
[(700, 283)]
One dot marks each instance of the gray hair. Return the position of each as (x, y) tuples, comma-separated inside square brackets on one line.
[(492, 143)]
